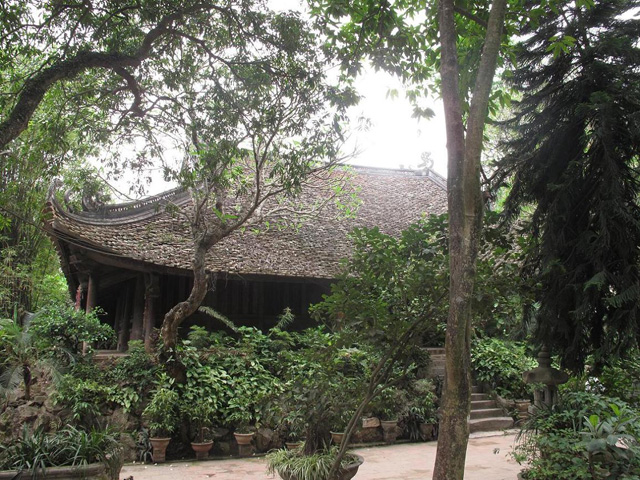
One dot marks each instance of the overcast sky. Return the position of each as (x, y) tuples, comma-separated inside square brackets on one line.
[(395, 138)]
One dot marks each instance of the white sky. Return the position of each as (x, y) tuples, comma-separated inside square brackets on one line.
[(395, 138)]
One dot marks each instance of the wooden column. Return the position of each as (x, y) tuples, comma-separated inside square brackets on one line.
[(127, 312), (82, 286), (92, 301), (119, 324), (92, 293), (138, 310), (151, 294)]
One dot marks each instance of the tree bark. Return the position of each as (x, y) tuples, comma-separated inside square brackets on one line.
[(174, 317), (465, 216)]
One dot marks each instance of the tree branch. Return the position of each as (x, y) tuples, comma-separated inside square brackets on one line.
[(471, 16)]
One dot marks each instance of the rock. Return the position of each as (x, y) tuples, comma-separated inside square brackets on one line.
[(367, 435), (129, 449), (38, 401), (219, 433), (222, 448), (122, 421), (267, 439)]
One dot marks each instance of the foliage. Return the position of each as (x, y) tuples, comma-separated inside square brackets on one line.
[(421, 408), (69, 446), (304, 467), (162, 411), (62, 330), (136, 370), (620, 377), (390, 282), (19, 355), (587, 436), (86, 399), (390, 404), (573, 155), (500, 364)]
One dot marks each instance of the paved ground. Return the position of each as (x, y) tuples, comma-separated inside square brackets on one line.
[(487, 459)]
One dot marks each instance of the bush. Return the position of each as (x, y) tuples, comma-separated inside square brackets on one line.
[(500, 364), (69, 446), (60, 331), (293, 464), (586, 436)]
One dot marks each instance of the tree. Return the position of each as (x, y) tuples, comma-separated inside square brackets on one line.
[(462, 42), (240, 90), (125, 63), (574, 156), (51, 148)]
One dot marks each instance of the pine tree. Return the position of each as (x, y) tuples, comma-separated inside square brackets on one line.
[(574, 158)]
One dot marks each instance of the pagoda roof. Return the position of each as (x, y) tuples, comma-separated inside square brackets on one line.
[(145, 236)]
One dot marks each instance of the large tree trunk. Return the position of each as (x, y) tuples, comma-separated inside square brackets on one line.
[(465, 214), (174, 317)]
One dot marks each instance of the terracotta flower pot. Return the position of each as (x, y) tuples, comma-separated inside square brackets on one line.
[(347, 473), (292, 445), (337, 437), (243, 438), (389, 430), (202, 449), (159, 448)]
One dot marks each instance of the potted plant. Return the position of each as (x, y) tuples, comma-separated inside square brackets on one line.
[(200, 415), (420, 417), (339, 426), (161, 416), (320, 392), (385, 406), (244, 425), (294, 430)]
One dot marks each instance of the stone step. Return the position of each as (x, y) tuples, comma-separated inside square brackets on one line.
[(476, 389), (435, 351), (486, 413), (482, 404), (490, 424), (476, 397)]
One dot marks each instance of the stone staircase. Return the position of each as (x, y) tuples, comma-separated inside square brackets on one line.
[(486, 415)]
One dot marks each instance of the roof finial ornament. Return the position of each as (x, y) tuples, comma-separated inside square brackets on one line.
[(427, 161)]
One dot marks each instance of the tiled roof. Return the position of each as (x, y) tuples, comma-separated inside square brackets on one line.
[(142, 232)]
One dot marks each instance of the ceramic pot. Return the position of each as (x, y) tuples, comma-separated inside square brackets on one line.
[(91, 471), (243, 438), (202, 449), (389, 430), (347, 473), (159, 448), (337, 437)]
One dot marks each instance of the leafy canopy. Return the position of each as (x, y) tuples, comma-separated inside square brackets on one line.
[(574, 157)]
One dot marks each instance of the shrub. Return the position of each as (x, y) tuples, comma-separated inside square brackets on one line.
[(85, 398), (500, 364), (293, 464), (586, 436), (61, 331), (35, 452)]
